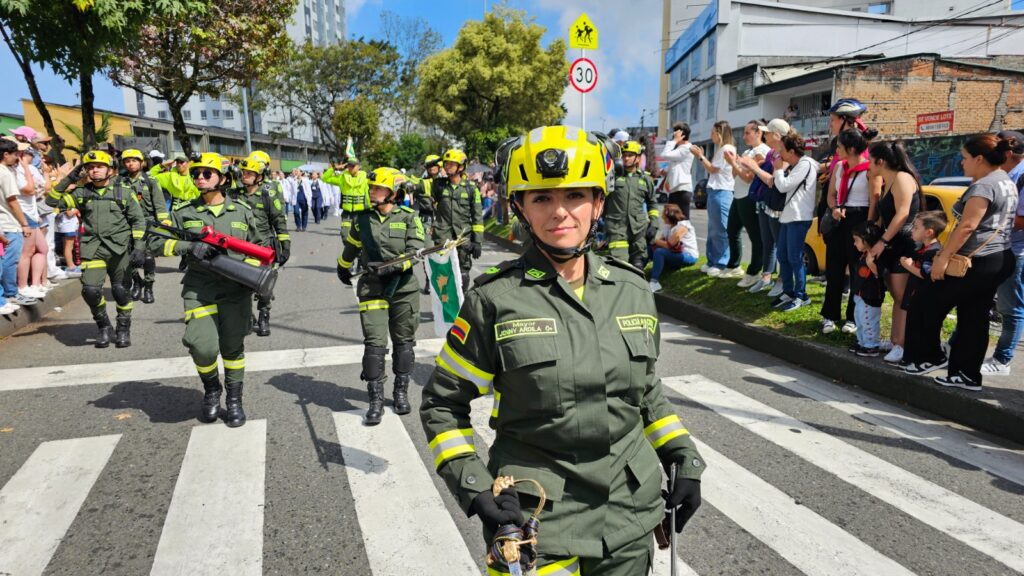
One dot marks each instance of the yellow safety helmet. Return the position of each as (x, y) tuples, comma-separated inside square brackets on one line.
[(558, 157), (133, 153), (431, 160), (252, 165), (454, 155), (97, 157), (388, 178), (260, 156), (632, 147), (209, 160)]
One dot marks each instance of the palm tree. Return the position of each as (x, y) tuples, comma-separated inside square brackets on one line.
[(102, 133)]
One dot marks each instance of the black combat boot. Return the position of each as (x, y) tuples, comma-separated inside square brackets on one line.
[(376, 409), (103, 338), (136, 286), (234, 416), (263, 324), (211, 399), (401, 405), (123, 333), (147, 293)]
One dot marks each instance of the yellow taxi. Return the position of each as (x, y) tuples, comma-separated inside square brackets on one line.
[(936, 197)]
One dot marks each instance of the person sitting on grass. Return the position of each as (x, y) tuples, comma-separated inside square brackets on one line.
[(675, 246), (869, 292)]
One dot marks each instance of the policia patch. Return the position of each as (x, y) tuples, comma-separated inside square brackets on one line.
[(637, 323), (525, 327)]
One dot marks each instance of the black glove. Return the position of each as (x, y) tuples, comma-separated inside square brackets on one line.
[(500, 511), (283, 254), (345, 275), (475, 249), (137, 258), (685, 499), (76, 173), (202, 251), (652, 231)]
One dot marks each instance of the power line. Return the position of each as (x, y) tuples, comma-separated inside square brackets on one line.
[(993, 39)]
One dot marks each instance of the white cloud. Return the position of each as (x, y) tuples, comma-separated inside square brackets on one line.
[(352, 8)]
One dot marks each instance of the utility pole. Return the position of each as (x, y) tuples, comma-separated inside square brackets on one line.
[(643, 113)]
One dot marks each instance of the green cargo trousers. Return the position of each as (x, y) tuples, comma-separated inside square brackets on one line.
[(217, 320), (95, 271)]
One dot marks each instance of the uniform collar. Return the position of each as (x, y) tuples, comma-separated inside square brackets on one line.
[(536, 267), (229, 206)]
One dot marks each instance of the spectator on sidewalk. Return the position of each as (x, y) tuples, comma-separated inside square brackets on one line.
[(899, 203), (982, 235), (679, 156), (32, 264), (925, 232), (743, 212), (868, 290), (674, 247), (767, 219), (720, 190), (798, 183), (14, 225)]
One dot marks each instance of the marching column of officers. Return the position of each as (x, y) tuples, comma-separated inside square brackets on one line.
[(534, 331)]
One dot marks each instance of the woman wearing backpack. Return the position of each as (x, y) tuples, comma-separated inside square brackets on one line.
[(761, 190), (798, 184)]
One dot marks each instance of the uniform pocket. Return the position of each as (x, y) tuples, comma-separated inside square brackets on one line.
[(530, 365), (644, 480), (642, 353)]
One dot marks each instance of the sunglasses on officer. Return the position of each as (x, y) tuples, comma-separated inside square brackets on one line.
[(205, 174)]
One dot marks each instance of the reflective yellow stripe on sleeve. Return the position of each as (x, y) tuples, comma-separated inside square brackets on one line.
[(200, 312), (161, 216), (138, 234), (284, 237), (497, 404), (459, 367), (663, 430), (653, 213), (450, 444), (55, 194), (69, 201), (478, 228), (169, 247), (618, 244), (373, 305), (351, 240), (251, 261)]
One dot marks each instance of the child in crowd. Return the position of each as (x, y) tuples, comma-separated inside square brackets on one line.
[(675, 246), (869, 292), (67, 233), (925, 232)]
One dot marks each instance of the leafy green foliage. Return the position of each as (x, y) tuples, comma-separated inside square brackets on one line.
[(100, 136), (496, 80)]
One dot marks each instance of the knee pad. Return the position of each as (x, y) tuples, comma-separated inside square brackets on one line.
[(122, 295), (404, 357), (92, 295), (149, 266), (373, 363)]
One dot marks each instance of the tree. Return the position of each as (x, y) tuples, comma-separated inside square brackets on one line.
[(495, 81), (208, 51), (320, 78), (360, 119), (100, 136), (414, 40)]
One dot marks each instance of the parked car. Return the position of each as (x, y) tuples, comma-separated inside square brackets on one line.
[(936, 197), (955, 181)]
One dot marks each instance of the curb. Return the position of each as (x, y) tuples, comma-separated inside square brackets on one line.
[(958, 406), (65, 292)]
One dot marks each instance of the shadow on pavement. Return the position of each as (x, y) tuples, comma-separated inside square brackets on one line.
[(80, 334), (162, 403)]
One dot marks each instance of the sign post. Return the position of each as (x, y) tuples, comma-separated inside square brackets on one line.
[(583, 35)]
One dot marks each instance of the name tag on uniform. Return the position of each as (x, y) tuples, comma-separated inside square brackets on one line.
[(240, 225), (637, 323), (194, 224), (525, 327)]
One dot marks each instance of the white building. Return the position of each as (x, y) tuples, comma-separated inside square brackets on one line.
[(321, 22), (717, 67)]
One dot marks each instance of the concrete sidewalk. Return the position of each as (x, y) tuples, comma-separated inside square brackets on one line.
[(66, 291), (998, 409)]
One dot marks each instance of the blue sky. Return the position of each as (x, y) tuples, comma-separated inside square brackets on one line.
[(627, 61)]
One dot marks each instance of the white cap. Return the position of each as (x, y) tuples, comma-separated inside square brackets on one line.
[(621, 136), (156, 154), (777, 126)]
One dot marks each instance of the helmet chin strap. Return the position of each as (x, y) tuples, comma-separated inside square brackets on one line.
[(560, 255)]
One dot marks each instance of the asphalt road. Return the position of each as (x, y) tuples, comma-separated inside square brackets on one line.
[(105, 470)]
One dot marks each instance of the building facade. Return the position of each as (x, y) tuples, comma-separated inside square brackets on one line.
[(321, 22)]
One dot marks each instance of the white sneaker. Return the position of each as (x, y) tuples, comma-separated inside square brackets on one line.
[(748, 280), (827, 326), (945, 345), (993, 367), (731, 273), (714, 272), (60, 275), (885, 346), (44, 288), (32, 292), (704, 269), (9, 308), (776, 290), (849, 327), (761, 285), (655, 286), (895, 356)]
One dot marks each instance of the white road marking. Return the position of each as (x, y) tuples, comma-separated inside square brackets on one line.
[(41, 500), (183, 367), (939, 436), (389, 484), (215, 521), (978, 527)]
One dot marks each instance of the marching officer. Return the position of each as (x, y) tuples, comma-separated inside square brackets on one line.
[(457, 209), (388, 293), (354, 188), (567, 341), (267, 205), (631, 210), (111, 244), (218, 311), (422, 199), (151, 198)]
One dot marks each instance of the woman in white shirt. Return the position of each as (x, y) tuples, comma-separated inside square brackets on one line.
[(720, 189), (32, 264), (678, 154), (799, 184), (743, 213), (675, 246)]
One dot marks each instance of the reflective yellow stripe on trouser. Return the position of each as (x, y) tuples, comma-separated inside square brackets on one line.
[(234, 370), (200, 312), (373, 305), (663, 430), (567, 567), (618, 244), (447, 445)]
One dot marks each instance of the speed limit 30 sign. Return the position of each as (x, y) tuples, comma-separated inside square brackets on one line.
[(583, 75)]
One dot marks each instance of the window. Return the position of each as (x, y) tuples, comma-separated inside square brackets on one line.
[(685, 69), (162, 114), (229, 114), (712, 48), (216, 113), (187, 114), (678, 112), (1017, 5), (712, 101), (202, 97), (140, 103), (695, 107), (880, 8), (202, 114), (741, 93), (696, 61)]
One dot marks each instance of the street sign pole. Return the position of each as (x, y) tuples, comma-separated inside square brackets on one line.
[(583, 101), (583, 35)]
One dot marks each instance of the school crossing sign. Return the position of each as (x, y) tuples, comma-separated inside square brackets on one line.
[(583, 34)]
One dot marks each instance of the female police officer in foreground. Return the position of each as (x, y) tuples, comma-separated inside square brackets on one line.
[(567, 341)]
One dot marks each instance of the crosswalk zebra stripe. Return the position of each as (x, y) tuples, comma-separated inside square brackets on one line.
[(214, 524), (389, 483), (479, 415), (183, 367), (39, 503), (978, 527), (938, 436)]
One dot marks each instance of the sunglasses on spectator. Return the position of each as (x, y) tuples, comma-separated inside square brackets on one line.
[(205, 174), (181, 161)]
